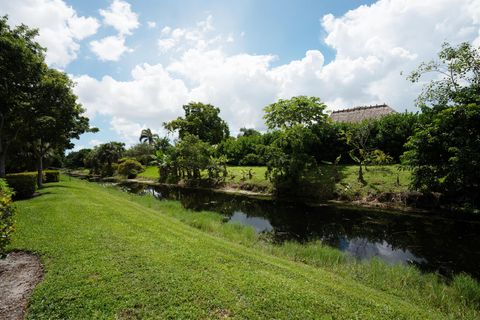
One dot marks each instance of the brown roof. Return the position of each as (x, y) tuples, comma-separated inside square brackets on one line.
[(358, 114)]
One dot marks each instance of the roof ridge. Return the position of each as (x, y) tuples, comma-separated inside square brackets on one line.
[(384, 105)]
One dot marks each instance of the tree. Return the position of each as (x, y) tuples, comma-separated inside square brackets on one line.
[(244, 150), (148, 136), (106, 154), (21, 68), (244, 132), (192, 156), (391, 132), (288, 158), (161, 144), (167, 167), (302, 110), (201, 120), (56, 117), (130, 168), (357, 138), (142, 152), (459, 71), (444, 152), (76, 159)]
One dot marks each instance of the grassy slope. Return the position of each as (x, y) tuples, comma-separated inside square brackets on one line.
[(378, 179), (106, 256)]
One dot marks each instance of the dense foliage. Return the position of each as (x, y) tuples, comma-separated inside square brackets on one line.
[(40, 114), (246, 150), (6, 215), (100, 160), (142, 152), (444, 152), (21, 68), (130, 168), (299, 110), (23, 184), (51, 175), (201, 120), (76, 159)]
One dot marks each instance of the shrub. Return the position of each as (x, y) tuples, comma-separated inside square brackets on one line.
[(6, 212), (23, 184), (51, 176), (130, 168)]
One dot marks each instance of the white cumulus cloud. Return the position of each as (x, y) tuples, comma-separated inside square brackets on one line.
[(60, 28), (183, 38), (151, 24), (109, 48), (373, 45), (120, 16)]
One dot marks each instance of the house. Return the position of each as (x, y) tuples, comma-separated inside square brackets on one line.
[(358, 114)]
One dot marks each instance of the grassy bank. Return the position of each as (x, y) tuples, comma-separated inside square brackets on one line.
[(108, 254), (342, 180)]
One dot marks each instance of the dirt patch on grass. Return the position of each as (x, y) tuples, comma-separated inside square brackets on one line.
[(19, 274)]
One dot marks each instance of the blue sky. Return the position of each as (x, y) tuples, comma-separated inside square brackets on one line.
[(137, 62), (285, 28)]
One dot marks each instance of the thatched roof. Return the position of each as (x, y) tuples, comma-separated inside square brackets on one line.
[(358, 114)]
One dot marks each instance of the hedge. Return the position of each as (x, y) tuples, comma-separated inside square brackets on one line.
[(23, 184), (6, 215), (51, 176)]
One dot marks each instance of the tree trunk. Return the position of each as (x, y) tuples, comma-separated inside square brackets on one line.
[(360, 174), (2, 164), (40, 172)]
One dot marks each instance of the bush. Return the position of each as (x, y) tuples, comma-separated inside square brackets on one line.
[(130, 168), (6, 212), (51, 176), (23, 184)]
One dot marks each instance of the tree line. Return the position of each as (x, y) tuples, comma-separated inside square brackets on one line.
[(440, 145), (39, 114)]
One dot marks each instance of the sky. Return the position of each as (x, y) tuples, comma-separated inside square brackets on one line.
[(136, 62)]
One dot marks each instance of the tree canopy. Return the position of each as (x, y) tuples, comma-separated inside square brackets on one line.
[(301, 110), (201, 120), (21, 68), (39, 110), (444, 152)]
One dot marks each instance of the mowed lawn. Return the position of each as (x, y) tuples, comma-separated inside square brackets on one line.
[(378, 179), (236, 174), (107, 257)]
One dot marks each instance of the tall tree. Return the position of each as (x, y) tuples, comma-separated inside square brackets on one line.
[(201, 120), (56, 117), (444, 152), (107, 154), (21, 68), (301, 110), (148, 136)]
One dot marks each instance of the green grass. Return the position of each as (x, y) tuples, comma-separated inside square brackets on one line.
[(378, 179), (112, 255), (151, 172), (240, 174)]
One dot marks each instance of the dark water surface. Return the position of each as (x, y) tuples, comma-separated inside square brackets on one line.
[(443, 244)]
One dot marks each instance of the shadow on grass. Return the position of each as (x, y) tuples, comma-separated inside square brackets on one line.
[(48, 186), (35, 195)]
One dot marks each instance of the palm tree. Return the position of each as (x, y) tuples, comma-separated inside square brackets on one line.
[(148, 136)]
